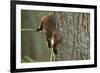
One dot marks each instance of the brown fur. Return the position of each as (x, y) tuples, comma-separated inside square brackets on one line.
[(48, 25)]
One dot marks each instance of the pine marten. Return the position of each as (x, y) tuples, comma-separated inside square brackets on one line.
[(48, 26)]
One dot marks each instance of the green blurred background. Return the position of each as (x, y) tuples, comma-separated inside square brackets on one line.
[(33, 44)]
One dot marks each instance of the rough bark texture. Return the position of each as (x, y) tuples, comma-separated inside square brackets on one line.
[(75, 29)]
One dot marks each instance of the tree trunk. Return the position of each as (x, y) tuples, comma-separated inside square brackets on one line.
[(75, 30)]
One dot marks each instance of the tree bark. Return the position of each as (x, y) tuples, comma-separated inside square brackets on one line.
[(75, 30)]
